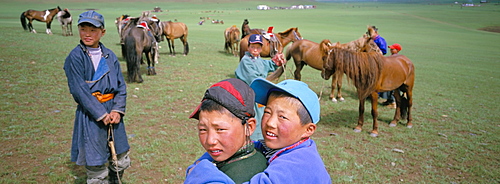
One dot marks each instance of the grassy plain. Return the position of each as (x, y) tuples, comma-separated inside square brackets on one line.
[(455, 138)]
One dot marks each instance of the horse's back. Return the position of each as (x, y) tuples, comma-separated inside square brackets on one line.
[(306, 51)]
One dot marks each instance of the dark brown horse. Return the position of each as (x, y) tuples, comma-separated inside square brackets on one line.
[(371, 73), (232, 37), (173, 30), (283, 39), (43, 16), (245, 29), (141, 36), (66, 21)]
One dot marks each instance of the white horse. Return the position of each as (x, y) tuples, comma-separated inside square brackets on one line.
[(65, 20)]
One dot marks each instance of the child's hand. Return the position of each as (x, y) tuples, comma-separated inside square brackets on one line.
[(279, 59), (106, 120), (115, 117)]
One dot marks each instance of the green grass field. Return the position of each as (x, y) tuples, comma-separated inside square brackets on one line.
[(455, 138)]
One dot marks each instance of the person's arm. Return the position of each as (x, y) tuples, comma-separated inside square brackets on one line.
[(73, 67), (120, 99), (204, 171)]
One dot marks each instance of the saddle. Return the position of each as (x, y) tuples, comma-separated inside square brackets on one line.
[(273, 41)]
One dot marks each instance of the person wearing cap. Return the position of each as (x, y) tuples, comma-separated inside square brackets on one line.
[(225, 123), (96, 83), (252, 66), (389, 95), (379, 40), (291, 114)]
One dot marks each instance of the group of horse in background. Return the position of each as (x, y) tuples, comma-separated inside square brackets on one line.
[(48, 16), (141, 35), (360, 60)]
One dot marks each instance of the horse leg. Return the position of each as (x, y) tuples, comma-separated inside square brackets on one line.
[(409, 97), (361, 119), (374, 97), (30, 26), (186, 45), (70, 29), (298, 67), (338, 79), (48, 31), (63, 30), (397, 115), (170, 46), (235, 45)]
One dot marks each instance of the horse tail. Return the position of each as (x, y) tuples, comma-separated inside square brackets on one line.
[(276, 74), (131, 57), (23, 21)]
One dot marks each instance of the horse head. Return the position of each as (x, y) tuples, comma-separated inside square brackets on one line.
[(291, 34), (325, 48)]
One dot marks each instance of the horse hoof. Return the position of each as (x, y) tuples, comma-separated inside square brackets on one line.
[(409, 126), (357, 130), (392, 124), (341, 99), (334, 100), (373, 134)]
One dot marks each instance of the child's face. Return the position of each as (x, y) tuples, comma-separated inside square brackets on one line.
[(90, 35), (221, 134), (255, 49), (394, 51), (281, 124)]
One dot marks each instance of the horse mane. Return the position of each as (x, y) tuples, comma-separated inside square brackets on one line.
[(362, 68), (286, 32)]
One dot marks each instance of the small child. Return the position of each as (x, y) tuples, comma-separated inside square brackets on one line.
[(225, 123), (290, 116), (395, 48), (252, 66), (95, 80), (389, 95)]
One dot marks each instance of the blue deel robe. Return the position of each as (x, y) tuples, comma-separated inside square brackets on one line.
[(300, 164), (251, 68), (89, 144)]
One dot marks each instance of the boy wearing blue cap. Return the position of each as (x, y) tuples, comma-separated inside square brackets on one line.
[(225, 123), (96, 83), (252, 66), (290, 116)]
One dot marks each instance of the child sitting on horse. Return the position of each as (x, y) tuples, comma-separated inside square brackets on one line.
[(225, 123), (252, 66), (291, 114), (97, 85)]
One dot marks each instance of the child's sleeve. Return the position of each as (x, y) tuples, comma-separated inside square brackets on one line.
[(120, 99), (80, 90)]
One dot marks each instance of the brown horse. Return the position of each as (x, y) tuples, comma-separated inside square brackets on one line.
[(42, 16), (371, 73), (306, 52), (141, 36), (232, 36), (173, 30), (245, 29), (66, 21), (283, 39)]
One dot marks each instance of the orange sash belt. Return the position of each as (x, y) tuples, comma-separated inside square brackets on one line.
[(103, 97)]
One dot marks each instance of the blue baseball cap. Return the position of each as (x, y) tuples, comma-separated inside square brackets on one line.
[(295, 88), (91, 17), (255, 38)]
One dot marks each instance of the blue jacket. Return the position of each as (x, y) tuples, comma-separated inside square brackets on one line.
[(251, 68), (380, 41), (294, 164), (89, 144)]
